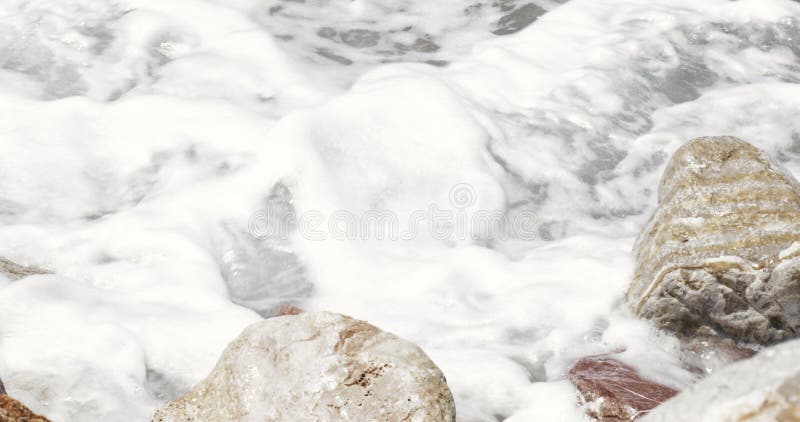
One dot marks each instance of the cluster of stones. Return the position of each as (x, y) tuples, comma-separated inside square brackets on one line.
[(718, 266)]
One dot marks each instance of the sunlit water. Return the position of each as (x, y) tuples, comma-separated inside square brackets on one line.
[(148, 150)]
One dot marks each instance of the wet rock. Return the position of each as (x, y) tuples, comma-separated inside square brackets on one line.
[(334, 57), (763, 388), (15, 271), (437, 63), (707, 355), (259, 265), (284, 310), (326, 32), (682, 84), (614, 391), (518, 19), (2, 387), (14, 411), (719, 256), (317, 366), (424, 45), (360, 38)]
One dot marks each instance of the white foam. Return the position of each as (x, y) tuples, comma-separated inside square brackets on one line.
[(131, 132)]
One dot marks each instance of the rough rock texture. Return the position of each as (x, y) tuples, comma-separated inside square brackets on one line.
[(763, 388), (614, 391), (718, 258), (14, 411), (16, 271), (317, 367)]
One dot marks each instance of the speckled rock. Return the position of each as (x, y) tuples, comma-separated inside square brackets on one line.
[(317, 367), (614, 391), (14, 411), (720, 257), (764, 388)]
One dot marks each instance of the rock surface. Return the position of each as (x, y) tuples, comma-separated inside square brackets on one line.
[(763, 388), (707, 355), (317, 367), (14, 411), (614, 391), (719, 257), (16, 271)]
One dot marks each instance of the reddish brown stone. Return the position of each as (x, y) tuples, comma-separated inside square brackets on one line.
[(14, 411), (614, 391), (287, 310)]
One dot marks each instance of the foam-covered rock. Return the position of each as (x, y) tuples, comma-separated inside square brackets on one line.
[(763, 388), (614, 391), (260, 268), (15, 271), (317, 366), (720, 255)]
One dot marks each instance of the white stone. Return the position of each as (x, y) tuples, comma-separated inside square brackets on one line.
[(763, 388), (317, 367)]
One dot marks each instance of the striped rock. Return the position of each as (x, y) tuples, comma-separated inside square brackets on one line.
[(721, 255)]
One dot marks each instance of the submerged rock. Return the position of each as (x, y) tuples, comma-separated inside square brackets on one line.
[(14, 411), (519, 19), (15, 271), (317, 366), (763, 388), (284, 310), (720, 257), (260, 268), (360, 38), (707, 355), (614, 391)]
